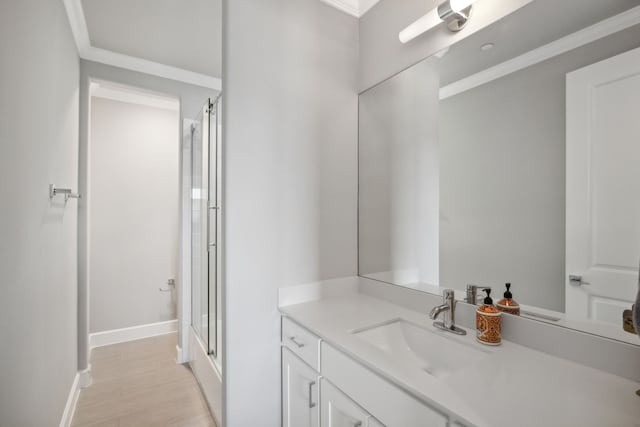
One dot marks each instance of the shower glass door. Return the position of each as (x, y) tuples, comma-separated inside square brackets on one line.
[(206, 220)]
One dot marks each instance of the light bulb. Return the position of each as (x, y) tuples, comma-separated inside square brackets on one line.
[(421, 25), (460, 5)]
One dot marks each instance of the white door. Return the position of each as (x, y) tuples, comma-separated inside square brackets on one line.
[(603, 188), (300, 385), (340, 411)]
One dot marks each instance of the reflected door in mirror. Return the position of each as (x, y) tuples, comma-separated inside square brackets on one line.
[(603, 188)]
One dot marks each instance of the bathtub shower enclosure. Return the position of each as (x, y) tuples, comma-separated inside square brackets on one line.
[(206, 216)]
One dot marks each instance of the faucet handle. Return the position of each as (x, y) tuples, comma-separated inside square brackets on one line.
[(476, 287), (448, 294), (472, 293)]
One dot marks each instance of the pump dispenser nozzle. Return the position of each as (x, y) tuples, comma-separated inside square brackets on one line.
[(488, 300), (508, 293)]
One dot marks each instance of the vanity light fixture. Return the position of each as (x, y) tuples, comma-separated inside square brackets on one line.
[(454, 12)]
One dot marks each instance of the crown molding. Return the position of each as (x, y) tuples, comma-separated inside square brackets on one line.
[(355, 8), (583, 37), (120, 93), (365, 5), (78, 24), (133, 63)]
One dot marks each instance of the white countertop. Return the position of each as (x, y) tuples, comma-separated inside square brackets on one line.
[(512, 386)]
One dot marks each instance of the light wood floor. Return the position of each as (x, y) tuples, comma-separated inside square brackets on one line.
[(139, 384)]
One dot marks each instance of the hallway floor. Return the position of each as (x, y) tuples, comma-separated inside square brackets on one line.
[(139, 384)]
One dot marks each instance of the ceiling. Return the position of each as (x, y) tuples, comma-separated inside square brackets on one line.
[(175, 39), (185, 34)]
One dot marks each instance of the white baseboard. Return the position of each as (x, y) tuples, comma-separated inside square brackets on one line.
[(85, 377), (133, 333), (181, 355), (70, 407)]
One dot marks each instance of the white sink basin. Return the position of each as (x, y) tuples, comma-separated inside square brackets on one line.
[(433, 352)]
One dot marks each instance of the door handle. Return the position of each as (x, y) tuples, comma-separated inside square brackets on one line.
[(576, 280), (296, 342), (171, 283), (211, 244), (312, 404)]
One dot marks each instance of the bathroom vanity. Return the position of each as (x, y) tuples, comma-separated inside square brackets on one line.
[(356, 360), (510, 156)]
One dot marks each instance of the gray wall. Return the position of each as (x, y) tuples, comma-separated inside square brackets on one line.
[(290, 81), (134, 215), (381, 53), (38, 146), (503, 178), (398, 175), (192, 98)]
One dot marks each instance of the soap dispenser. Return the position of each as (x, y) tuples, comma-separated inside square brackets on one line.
[(508, 304), (488, 322)]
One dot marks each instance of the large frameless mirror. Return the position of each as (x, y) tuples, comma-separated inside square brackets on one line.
[(513, 157)]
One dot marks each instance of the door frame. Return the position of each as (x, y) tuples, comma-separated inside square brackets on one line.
[(84, 228)]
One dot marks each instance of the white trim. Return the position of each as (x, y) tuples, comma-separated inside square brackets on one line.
[(99, 339), (184, 290), (345, 6), (85, 377), (355, 8), (585, 36), (207, 375), (181, 355), (133, 96), (78, 24), (149, 67), (72, 400), (365, 5)]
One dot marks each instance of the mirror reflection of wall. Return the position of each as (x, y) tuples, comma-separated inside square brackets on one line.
[(399, 196), (463, 164), (502, 154)]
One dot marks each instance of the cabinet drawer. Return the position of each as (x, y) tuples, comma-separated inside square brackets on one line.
[(339, 410), (389, 404), (301, 342)]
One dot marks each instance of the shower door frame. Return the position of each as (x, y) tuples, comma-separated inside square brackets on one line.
[(210, 147)]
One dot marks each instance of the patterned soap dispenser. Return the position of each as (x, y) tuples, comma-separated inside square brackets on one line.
[(508, 304), (488, 322)]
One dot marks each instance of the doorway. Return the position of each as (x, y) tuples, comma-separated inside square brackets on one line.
[(133, 201), (136, 170)]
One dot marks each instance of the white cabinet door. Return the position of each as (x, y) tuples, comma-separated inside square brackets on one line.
[(340, 411), (603, 184), (299, 392)]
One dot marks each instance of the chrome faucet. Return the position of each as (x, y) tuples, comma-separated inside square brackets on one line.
[(449, 317), (472, 293)]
